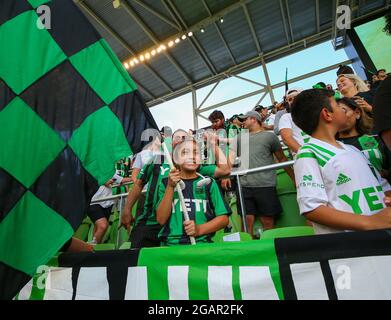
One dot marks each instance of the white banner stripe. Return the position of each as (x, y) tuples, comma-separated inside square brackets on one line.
[(309, 281), (256, 283), (364, 278), (25, 293), (178, 283), (220, 283), (137, 284), (92, 284), (58, 285)]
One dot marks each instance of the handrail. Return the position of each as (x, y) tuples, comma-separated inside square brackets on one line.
[(233, 174), (276, 166)]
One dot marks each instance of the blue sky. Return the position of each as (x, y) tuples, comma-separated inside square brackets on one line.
[(177, 113)]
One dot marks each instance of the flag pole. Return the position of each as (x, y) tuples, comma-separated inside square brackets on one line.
[(178, 190)]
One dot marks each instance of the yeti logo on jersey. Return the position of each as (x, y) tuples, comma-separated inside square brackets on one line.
[(196, 205), (342, 179), (163, 170)]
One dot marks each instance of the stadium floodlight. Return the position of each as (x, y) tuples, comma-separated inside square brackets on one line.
[(177, 40), (190, 34), (184, 37), (202, 30)]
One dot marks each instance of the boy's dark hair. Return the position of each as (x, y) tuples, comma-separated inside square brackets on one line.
[(216, 115), (307, 107)]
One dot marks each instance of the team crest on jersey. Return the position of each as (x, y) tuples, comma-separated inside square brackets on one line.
[(342, 179)]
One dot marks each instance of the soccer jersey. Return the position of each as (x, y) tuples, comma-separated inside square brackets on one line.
[(152, 175), (372, 148), (342, 179), (203, 205), (286, 122)]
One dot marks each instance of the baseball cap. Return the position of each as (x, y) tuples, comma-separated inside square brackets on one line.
[(252, 114)]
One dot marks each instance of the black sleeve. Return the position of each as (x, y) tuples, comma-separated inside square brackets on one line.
[(382, 107)]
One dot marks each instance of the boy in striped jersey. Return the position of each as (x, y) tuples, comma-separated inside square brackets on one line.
[(337, 188), (208, 212)]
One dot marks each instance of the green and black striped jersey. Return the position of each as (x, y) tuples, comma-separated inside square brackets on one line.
[(152, 174), (203, 205)]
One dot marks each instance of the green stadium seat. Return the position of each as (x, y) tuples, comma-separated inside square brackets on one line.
[(235, 219), (288, 232), (82, 232), (125, 246), (104, 247), (286, 191)]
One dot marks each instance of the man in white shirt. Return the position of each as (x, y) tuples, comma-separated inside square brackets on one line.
[(291, 134), (100, 213)]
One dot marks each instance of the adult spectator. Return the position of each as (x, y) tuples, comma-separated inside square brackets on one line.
[(263, 111), (382, 74), (357, 133), (146, 156), (259, 190), (236, 122), (382, 113), (344, 70), (99, 213), (281, 110), (226, 133), (291, 134), (352, 86), (268, 124)]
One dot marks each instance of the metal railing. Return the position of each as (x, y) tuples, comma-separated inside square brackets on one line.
[(235, 174), (238, 174)]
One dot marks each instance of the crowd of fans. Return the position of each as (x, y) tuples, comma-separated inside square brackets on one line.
[(340, 140)]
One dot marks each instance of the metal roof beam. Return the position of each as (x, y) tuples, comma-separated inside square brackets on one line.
[(289, 20), (116, 36), (220, 33), (249, 80), (252, 29), (284, 21), (158, 14), (194, 42), (324, 35), (221, 104), (153, 38), (317, 12)]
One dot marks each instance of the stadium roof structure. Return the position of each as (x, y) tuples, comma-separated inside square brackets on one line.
[(199, 42)]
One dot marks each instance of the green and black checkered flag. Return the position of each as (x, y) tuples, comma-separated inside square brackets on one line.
[(68, 112)]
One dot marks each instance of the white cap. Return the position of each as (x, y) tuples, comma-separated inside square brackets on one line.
[(293, 92)]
